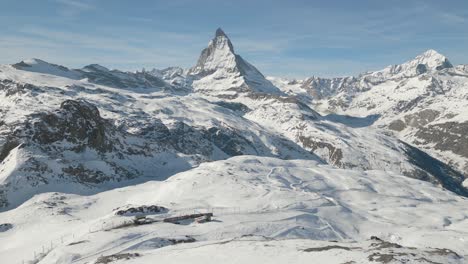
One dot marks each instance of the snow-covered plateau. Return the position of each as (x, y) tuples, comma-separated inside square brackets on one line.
[(220, 164)]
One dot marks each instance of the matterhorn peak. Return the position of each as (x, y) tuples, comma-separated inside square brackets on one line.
[(218, 54), (218, 63), (222, 41), (220, 33)]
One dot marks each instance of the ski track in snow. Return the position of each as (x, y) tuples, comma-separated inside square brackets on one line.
[(218, 113)]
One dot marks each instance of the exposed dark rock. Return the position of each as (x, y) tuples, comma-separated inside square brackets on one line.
[(335, 154), (77, 122), (5, 227), (403, 106), (421, 118), (114, 78), (421, 68), (186, 239), (320, 88), (154, 129), (3, 196), (325, 248), (380, 244), (22, 65), (85, 175), (7, 147), (251, 79), (236, 107), (444, 252), (116, 257), (13, 88), (141, 210), (78, 242), (229, 141), (416, 120), (388, 252), (435, 171), (397, 125), (218, 42), (446, 64), (220, 33), (189, 140), (449, 136)]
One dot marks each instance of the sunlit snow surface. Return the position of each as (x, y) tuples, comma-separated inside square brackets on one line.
[(284, 205), (251, 198), (414, 96)]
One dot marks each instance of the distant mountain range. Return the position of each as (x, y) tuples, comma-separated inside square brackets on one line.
[(92, 129), (364, 169)]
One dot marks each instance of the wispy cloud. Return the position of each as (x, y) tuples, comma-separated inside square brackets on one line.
[(72, 8), (76, 4), (452, 18), (254, 46), (295, 38), (306, 67), (76, 49), (140, 19)]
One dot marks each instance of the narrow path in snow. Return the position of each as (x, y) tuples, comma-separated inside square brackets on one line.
[(118, 247), (296, 187)]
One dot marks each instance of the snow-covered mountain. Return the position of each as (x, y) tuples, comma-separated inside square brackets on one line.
[(146, 119), (56, 139), (293, 211), (222, 73), (284, 159), (423, 101)]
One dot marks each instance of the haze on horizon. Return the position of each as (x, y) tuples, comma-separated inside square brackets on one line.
[(294, 38)]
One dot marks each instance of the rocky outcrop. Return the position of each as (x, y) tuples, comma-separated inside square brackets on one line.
[(126, 80), (449, 136), (75, 148), (77, 122), (435, 171)]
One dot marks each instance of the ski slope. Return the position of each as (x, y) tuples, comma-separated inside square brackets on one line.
[(274, 206)]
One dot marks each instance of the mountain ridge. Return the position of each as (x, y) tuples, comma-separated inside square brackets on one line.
[(286, 118), (343, 170)]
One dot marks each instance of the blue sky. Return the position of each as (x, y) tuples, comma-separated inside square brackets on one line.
[(294, 38)]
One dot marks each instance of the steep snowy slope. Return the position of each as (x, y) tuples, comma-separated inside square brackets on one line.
[(297, 207), (429, 61), (222, 73), (97, 74), (83, 151), (428, 110), (175, 76), (88, 130), (40, 66), (337, 144), (424, 101), (71, 135)]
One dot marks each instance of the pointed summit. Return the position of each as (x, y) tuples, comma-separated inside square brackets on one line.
[(433, 60), (220, 33), (218, 54), (220, 68), (430, 53), (428, 61)]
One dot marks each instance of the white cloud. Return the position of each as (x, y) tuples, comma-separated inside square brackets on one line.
[(452, 18), (76, 4), (72, 8), (78, 49)]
